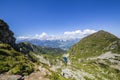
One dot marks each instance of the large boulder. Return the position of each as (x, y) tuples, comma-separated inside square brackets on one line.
[(6, 35)]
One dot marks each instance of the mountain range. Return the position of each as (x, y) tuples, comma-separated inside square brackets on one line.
[(95, 57), (65, 45)]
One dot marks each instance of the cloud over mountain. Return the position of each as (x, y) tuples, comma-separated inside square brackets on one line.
[(79, 32), (65, 36)]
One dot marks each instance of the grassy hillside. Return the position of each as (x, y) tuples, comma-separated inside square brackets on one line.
[(98, 69), (38, 50), (92, 45), (13, 61), (114, 47), (96, 57)]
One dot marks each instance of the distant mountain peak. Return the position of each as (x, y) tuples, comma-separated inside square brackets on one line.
[(103, 32), (93, 44)]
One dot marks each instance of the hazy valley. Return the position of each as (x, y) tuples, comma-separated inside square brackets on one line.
[(65, 45)]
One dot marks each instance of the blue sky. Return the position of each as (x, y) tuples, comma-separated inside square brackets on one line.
[(55, 17)]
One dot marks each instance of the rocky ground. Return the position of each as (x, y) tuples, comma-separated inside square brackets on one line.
[(39, 75)]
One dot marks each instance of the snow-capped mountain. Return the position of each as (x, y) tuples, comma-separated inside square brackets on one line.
[(63, 44)]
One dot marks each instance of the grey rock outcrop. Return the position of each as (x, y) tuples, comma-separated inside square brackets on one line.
[(6, 35)]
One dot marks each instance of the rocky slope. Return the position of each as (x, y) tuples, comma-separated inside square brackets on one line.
[(11, 60), (6, 35), (97, 56)]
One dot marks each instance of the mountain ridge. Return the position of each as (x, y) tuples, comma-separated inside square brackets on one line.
[(93, 44)]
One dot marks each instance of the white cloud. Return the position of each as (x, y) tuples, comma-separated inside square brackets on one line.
[(23, 37), (79, 32), (88, 31), (41, 36), (73, 32), (65, 36)]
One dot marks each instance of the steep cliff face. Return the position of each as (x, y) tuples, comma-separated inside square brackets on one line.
[(6, 35)]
